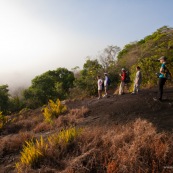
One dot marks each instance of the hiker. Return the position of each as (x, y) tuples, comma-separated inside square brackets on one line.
[(99, 83), (123, 76), (162, 77), (137, 81), (106, 83)]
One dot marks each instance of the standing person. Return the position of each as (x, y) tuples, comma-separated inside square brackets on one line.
[(123, 76), (137, 81), (106, 84), (162, 77), (99, 83)]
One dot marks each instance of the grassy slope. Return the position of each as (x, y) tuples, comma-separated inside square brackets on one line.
[(120, 134)]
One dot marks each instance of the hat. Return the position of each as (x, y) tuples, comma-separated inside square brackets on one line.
[(105, 73), (162, 57), (123, 69)]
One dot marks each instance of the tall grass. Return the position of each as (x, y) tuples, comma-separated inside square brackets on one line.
[(53, 110), (32, 153), (133, 147), (36, 152)]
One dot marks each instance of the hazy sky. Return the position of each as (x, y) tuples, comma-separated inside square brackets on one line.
[(41, 35)]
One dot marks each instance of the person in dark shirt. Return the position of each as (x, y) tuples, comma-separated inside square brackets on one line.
[(162, 77)]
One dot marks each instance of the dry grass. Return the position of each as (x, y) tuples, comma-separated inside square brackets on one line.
[(74, 117), (24, 121), (42, 127), (13, 143), (134, 147), (45, 151)]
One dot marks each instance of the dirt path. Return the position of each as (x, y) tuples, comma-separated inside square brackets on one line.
[(125, 108)]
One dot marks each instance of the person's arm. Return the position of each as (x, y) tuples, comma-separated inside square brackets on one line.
[(162, 69)]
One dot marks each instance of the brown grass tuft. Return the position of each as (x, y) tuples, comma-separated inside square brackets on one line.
[(42, 127), (13, 143)]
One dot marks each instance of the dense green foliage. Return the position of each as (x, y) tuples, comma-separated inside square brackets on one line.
[(50, 85), (88, 76), (106, 62), (4, 99), (146, 52)]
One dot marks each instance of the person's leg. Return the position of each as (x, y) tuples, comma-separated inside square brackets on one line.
[(161, 84), (120, 89), (134, 89), (137, 87), (99, 94), (123, 84), (106, 89)]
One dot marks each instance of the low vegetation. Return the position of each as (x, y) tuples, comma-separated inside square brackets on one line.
[(53, 110), (134, 147)]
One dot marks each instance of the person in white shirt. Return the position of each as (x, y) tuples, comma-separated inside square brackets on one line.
[(137, 81), (99, 83), (106, 84)]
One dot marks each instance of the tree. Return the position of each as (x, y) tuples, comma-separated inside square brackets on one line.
[(146, 52), (4, 99), (108, 57), (50, 85), (88, 76)]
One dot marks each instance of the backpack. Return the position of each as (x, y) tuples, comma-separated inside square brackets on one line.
[(127, 77), (109, 81), (103, 86), (167, 74)]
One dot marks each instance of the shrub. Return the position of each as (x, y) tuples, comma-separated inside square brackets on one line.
[(3, 120), (32, 153), (53, 110), (64, 137), (43, 151)]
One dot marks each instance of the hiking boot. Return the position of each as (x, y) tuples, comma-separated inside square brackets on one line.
[(157, 99)]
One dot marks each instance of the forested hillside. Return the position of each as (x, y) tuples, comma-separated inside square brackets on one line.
[(146, 52), (58, 125)]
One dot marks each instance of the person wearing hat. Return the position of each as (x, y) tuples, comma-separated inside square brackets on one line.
[(106, 84), (123, 76), (162, 77), (137, 81)]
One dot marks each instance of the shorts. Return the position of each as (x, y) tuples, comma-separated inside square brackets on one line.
[(106, 87), (100, 88)]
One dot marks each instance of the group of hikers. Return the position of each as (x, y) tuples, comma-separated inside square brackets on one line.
[(123, 75), (162, 75)]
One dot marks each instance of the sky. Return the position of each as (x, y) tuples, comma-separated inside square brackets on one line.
[(41, 35)]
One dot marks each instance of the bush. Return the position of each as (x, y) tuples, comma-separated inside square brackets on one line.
[(64, 137), (38, 151), (53, 110), (32, 153)]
